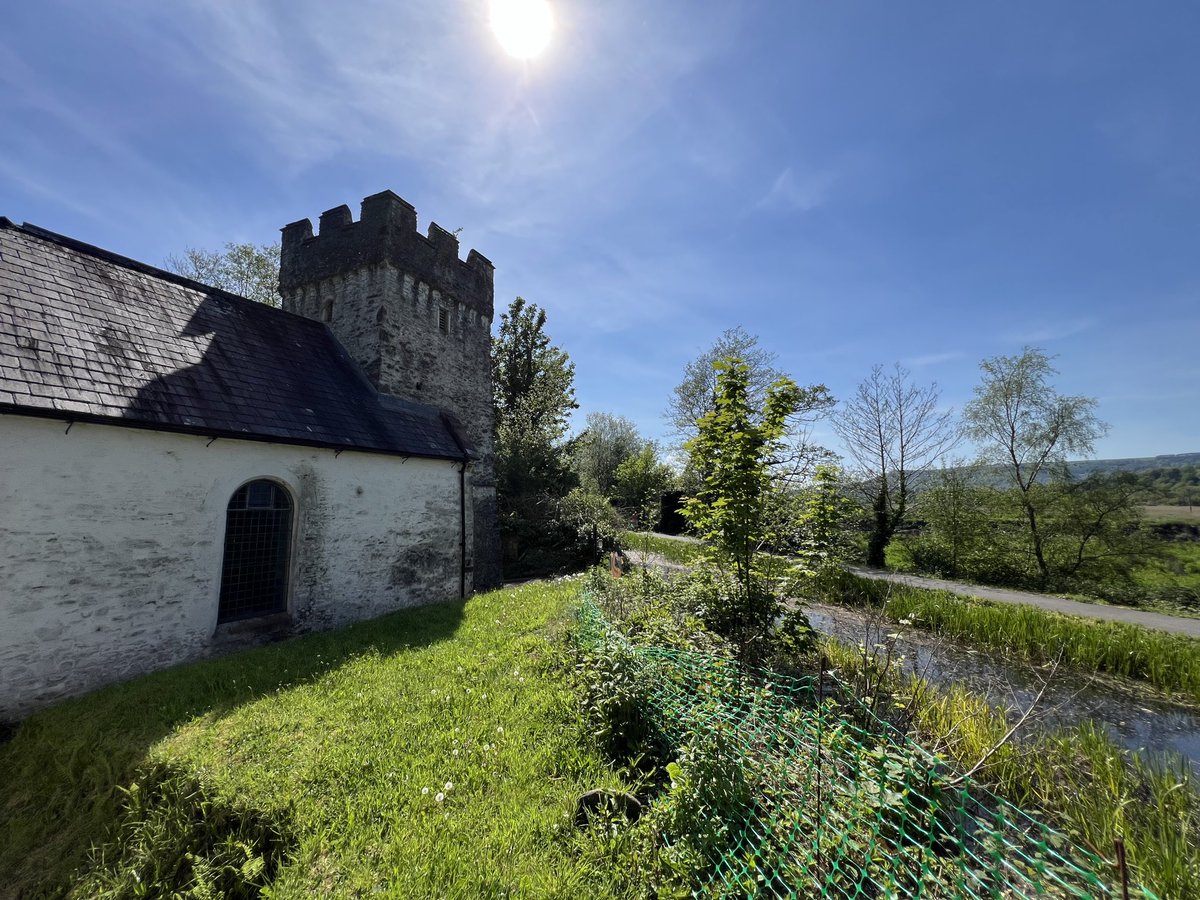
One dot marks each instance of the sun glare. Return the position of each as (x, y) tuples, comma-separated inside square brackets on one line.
[(522, 27)]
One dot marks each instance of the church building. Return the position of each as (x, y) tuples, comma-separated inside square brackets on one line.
[(183, 470)]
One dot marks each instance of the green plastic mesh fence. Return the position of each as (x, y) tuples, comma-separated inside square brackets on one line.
[(841, 805)]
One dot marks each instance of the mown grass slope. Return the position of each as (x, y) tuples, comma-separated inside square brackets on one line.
[(433, 752)]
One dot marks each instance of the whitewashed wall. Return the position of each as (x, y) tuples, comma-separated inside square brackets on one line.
[(111, 541)]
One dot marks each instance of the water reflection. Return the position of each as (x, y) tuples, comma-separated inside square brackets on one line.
[(1137, 722)]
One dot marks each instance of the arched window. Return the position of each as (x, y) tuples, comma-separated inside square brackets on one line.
[(258, 531)]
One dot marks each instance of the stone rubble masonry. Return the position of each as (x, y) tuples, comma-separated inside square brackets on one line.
[(417, 320)]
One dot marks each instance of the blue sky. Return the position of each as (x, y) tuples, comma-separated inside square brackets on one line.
[(856, 183)]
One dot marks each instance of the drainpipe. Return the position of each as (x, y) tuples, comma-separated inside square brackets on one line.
[(452, 427), (462, 530)]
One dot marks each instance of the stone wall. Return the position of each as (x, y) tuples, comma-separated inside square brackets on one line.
[(416, 318), (114, 540)]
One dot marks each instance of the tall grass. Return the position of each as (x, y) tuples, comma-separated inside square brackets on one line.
[(1080, 779), (1075, 778), (1167, 661), (434, 752)]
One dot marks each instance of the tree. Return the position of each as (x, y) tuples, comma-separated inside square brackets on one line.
[(1094, 528), (639, 483), (534, 393), (735, 447), (892, 429), (696, 395), (249, 270), (607, 441), (820, 533), (1023, 425), (960, 523)]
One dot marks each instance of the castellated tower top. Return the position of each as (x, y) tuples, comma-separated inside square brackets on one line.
[(386, 232)]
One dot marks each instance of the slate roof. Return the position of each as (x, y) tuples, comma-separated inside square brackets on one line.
[(88, 335)]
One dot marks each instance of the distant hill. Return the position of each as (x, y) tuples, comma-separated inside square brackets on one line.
[(1171, 479), (1085, 467)]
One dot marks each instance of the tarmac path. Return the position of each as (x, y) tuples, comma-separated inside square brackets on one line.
[(1158, 621)]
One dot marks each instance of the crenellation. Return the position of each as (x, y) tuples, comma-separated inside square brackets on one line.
[(386, 233), (338, 217)]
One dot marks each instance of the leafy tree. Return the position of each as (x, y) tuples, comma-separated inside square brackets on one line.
[(734, 448), (533, 383), (1095, 528), (639, 483), (960, 523), (1024, 426), (607, 441), (893, 430), (821, 531), (737, 448), (249, 270), (696, 395)]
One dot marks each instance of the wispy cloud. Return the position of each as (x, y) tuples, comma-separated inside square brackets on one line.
[(1052, 331), (791, 192)]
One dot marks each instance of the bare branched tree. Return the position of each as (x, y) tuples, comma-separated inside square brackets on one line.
[(892, 429)]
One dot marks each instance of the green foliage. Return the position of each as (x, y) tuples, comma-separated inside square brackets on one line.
[(819, 535), (248, 270), (606, 442), (699, 819), (639, 483), (1169, 485), (1024, 426), (533, 382), (1089, 532), (695, 396), (614, 695), (692, 398), (733, 451), (175, 838)]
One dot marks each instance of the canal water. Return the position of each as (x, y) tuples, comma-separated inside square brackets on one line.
[(1150, 725)]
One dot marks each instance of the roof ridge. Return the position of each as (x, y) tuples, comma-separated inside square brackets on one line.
[(128, 262)]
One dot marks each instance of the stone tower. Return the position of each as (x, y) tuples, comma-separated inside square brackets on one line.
[(417, 319)]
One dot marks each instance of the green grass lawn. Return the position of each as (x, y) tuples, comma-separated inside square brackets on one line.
[(433, 752), (675, 549)]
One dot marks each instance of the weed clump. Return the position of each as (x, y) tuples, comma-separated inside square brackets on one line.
[(175, 837)]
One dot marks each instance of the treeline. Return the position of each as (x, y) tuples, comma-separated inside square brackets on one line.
[(1016, 514), (1169, 486)]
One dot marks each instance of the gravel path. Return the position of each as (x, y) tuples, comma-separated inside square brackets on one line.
[(1159, 621)]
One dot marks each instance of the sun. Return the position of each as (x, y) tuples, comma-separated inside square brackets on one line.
[(523, 27)]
